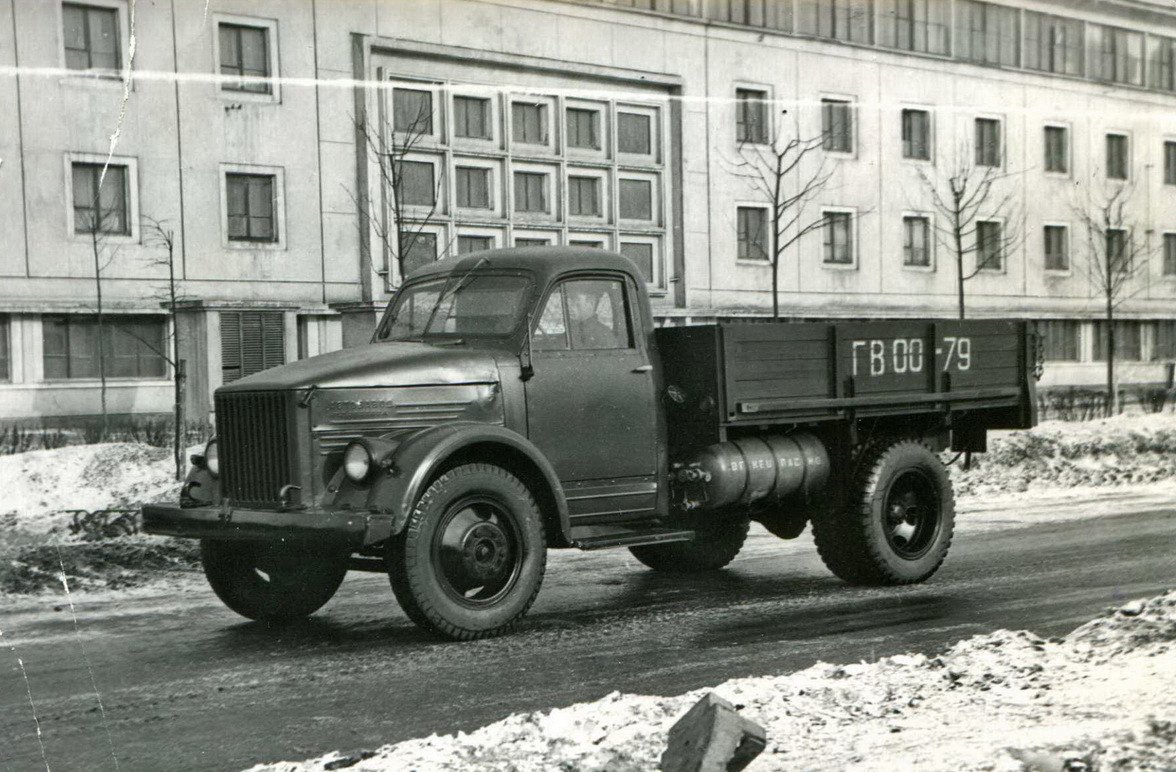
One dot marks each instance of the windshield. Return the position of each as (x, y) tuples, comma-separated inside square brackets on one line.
[(479, 306)]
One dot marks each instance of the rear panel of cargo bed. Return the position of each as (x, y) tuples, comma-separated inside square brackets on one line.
[(759, 374)]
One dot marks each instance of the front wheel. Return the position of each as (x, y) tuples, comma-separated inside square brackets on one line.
[(471, 558), (897, 524), (271, 582)]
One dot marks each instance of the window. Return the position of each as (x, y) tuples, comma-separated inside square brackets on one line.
[(1053, 43), (848, 20), (530, 192), (1115, 55), (420, 249), (1118, 251), (1128, 343), (769, 14), (635, 199), (250, 205), (1161, 61), (531, 242), (590, 243), (584, 315), (251, 341), (100, 205), (91, 37), (412, 111), (1170, 163), (751, 116), (584, 196), (837, 125), (1057, 248), (244, 54), (1118, 160), (131, 346), (914, 25), (916, 134), (5, 353), (634, 134), (415, 183), (752, 233), (1169, 267), (838, 238), (583, 128), (473, 187), (1060, 340), (989, 246), (1057, 150), (987, 33), (916, 241), (641, 254), (467, 244), (471, 117), (1165, 344), (988, 152), (529, 122)]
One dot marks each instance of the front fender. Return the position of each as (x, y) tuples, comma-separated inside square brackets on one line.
[(419, 455)]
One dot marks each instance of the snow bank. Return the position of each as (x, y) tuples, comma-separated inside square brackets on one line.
[(1125, 450), (40, 484), (1101, 696)]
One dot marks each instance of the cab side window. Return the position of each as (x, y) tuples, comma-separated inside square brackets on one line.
[(585, 315)]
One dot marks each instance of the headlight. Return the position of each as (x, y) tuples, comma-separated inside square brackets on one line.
[(211, 459), (357, 462)]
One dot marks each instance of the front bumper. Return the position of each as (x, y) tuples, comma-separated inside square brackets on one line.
[(350, 529)]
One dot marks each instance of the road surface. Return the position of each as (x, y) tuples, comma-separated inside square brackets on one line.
[(172, 680)]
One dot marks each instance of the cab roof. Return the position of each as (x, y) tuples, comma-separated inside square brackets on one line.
[(544, 262)]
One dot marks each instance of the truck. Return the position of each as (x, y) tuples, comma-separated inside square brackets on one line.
[(515, 401)]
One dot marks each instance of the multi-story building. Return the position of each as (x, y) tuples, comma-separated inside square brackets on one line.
[(252, 133)]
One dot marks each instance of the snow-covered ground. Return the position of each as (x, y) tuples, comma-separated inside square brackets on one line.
[(1099, 699)]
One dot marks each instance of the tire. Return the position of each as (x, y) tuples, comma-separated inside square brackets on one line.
[(271, 582), (712, 548), (471, 557), (897, 522)]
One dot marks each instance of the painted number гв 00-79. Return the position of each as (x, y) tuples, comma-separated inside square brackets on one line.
[(905, 355)]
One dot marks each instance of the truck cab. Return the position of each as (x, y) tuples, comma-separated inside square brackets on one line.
[(519, 400)]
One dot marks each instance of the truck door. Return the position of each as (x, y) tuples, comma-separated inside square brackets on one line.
[(590, 404)]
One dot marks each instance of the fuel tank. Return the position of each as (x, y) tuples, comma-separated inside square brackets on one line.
[(752, 469)]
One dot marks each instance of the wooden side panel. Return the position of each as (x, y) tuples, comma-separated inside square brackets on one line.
[(775, 362)]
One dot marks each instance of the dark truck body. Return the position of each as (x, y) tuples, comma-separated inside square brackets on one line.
[(667, 441)]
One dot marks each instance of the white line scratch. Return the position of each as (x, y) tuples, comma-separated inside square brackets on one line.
[(86, 658), (32, 707), (128, 74)]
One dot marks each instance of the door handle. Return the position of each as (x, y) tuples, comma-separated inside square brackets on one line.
[(643, 368)]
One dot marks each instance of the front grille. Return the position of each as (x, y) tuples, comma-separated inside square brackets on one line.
[(255, 451)]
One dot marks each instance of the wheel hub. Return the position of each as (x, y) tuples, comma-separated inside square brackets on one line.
[(477, 551), (485, 551), (911, 514)]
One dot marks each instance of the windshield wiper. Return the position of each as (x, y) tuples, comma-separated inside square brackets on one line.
[(458, 286)]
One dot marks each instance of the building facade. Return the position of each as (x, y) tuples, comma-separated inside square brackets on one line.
[(299, 155)]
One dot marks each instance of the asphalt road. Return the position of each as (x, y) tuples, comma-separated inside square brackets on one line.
[(175, 681)]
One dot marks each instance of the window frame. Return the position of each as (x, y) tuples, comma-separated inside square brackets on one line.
[(657, 280), (767, 232), (132, 194), (1003, 268), (929, 219), (550, 237), (854, 240), (1068, 154), (553, 191), (1077, 326), (493, 118), (166, 328), (741, 103), (279, 175), (494, 186), (1168, 171), (437, 126), (603, 140), (930, 114), (552, 129), (850, 106), (438, 231), (1165, 262), (1127, 153), (274, 80), (653, 114), (1067, 245), (113, 77), (1002, 141), (9, 350), (655, 199), (496, 236), (604, 203)]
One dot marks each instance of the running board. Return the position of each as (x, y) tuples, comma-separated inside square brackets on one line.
[(631, 538)]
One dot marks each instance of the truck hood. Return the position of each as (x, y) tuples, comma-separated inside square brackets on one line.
[(377, 364)]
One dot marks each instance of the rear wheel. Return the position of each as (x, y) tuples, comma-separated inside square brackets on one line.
[(471, 558), (897, 523), (713, 547), (271, 582)]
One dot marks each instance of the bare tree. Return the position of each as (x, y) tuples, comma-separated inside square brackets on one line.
[(97, 226), (789, 172), (160, 235), (398, 221), (974, 215), (1117, 252)]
